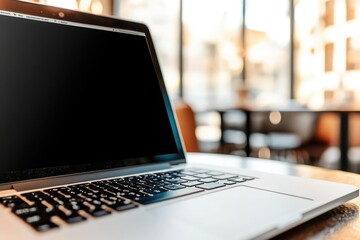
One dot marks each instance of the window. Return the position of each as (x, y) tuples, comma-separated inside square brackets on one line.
[(327, 39), (329, 12), (329, 52), (353, 53), (212, 49), (351, 9), (268, 49)]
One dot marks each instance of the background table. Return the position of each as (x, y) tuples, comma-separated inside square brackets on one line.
[(340, 223), (343, 111)]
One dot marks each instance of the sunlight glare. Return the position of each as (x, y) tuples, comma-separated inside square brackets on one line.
[(69, 4)]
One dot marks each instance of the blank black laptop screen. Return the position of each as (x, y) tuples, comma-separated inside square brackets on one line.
[(77, 98)]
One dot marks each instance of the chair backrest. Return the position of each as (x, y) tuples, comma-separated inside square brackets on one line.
[(328, 129), (187, 123), (301, 124)]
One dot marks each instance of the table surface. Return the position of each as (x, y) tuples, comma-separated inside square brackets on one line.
[(284, 106), (340, 223)]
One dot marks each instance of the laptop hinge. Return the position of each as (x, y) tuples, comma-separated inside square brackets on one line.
[(50, 182)]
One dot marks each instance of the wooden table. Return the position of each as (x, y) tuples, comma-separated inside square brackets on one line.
[(343, 111), (341, 223)]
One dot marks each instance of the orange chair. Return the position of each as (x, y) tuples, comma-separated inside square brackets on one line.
[(187, 123)]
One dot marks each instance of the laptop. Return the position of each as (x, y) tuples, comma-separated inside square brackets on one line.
[(90, 147)]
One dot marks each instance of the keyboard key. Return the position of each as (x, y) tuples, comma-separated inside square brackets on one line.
[(94, 211), (174, 186), (74, 217), (26, 211), (225, 176), (40, 223), (227, 182), (209, 186), (13, 201), (202, 175), (190, 178), (44, 226), (238, 179), (192, 183), (208, 180), (97, 212), (123, 205)]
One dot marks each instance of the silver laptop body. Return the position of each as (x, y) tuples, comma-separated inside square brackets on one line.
[(90, 149)]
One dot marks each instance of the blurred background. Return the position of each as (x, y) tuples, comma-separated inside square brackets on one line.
[(227, 52)]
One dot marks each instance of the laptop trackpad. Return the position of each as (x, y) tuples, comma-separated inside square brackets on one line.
[(236, 212)]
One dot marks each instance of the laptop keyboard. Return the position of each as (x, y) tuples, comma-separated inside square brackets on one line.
[(48, 209)]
